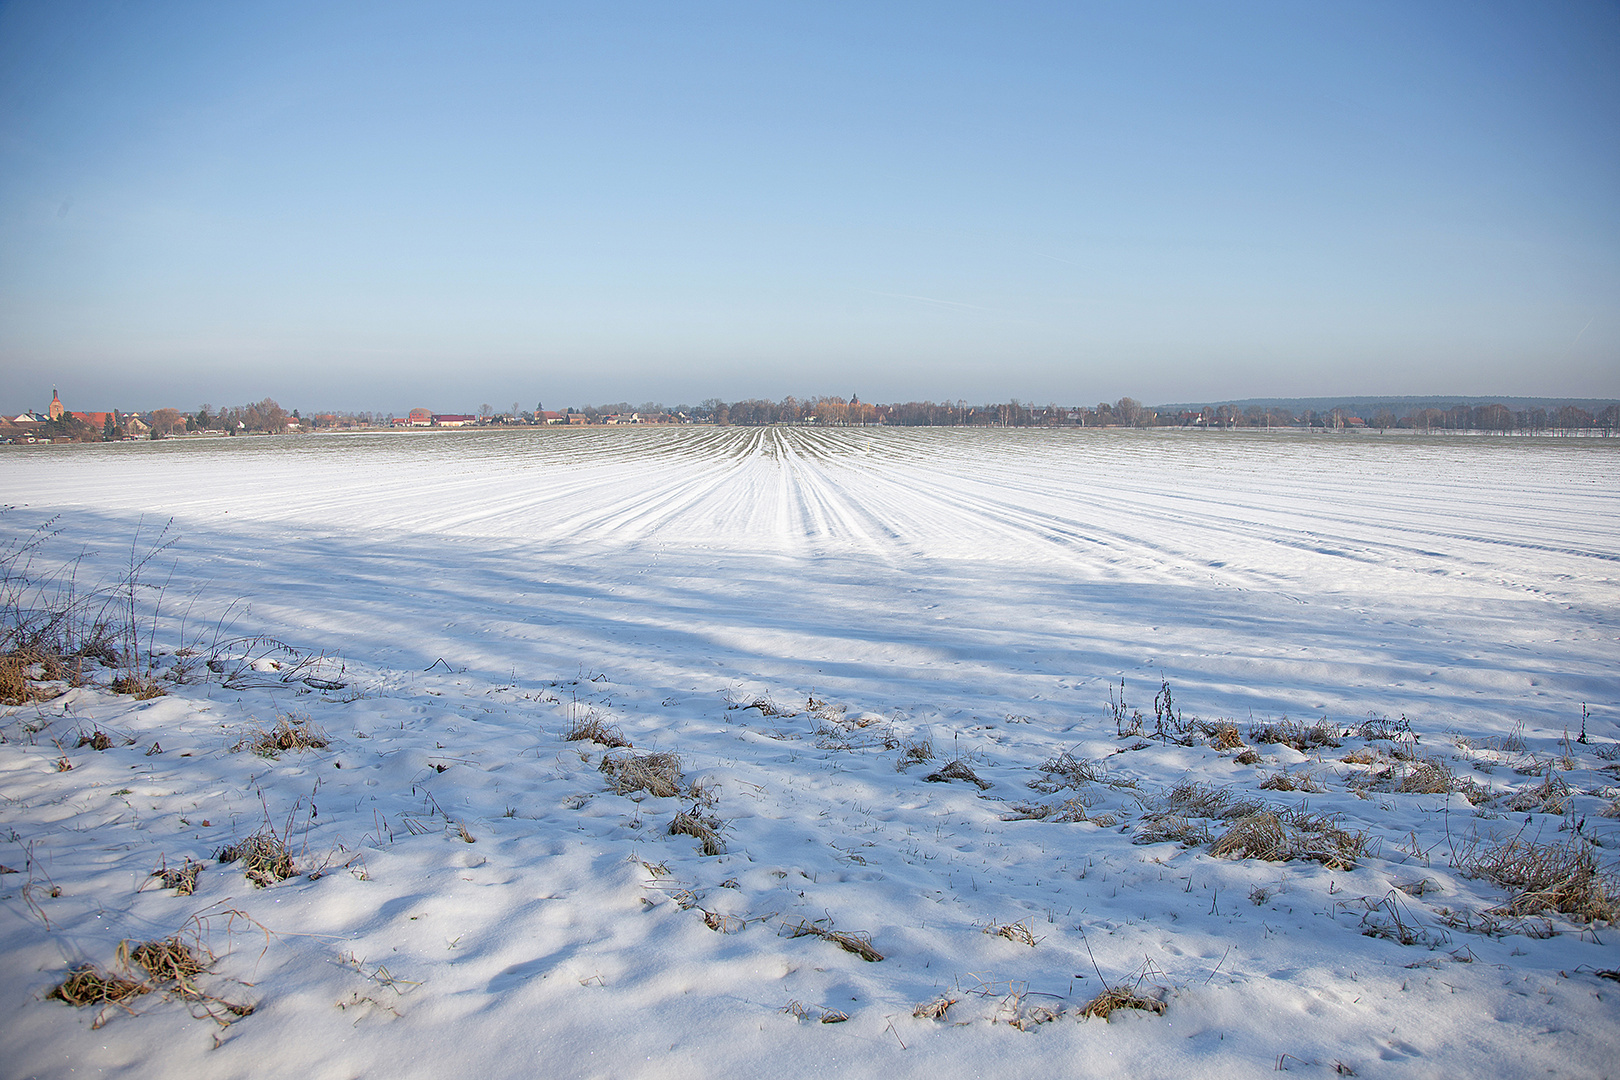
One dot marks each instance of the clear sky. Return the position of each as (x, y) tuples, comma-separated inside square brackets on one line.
[(373, 206)]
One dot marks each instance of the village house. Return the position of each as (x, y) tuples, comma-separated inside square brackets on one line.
[(417, 418)]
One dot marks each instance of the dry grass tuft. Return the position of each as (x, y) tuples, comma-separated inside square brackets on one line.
[(914, 753), (1392, 920), (1291, 835), (139, 687), (956, 769), (1068, 812), (1109, 1001), (1428, 777), (182, 879), (1164, 827), (858, 942), (16, 688), (1065, 771), (1283, 780), (99, 740), (800, 1011), (1551, 796), (89, 985), (1251, 756), (657, 774), (288, 733), (592, 729), (264, 858), (1073, 810), (1018, 932), (1364, 756), (1225, 737), (1547, 877), (1197, 800), (723, 924), (170, 958), (174, 964), (705, 830), (935, 1009), (1294, 734)]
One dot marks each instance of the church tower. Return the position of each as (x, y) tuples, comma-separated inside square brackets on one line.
[(56, 409)]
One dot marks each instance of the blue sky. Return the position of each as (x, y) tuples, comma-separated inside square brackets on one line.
[(370, 206)]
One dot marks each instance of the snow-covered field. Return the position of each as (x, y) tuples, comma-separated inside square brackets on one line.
[(798, 614)]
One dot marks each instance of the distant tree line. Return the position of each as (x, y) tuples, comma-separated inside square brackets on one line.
[(266, 416), (1126, 412), (1494, 417), (261, 416)]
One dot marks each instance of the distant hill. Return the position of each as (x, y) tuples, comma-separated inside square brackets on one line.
[(1366, 406)]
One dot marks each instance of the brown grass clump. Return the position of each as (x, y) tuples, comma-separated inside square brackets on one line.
[(1294, 734), (956, 769), (89, 985), (142, 689), (100, 740), (1225, 737), (914, 753), (1024, 811), (174, 964), (16, 688), (1198, 800), (1364, 756), (1547, 877), (1018, 932), (800, 1011), (1428, 778), (858, 942), (1392, 920), (182, 879), (1073, 810), (288, 733), (705, 830), (1065, 771), (18, 681), (935, 1009), (264, 858), (1551, 796), (1293, 835), (170, 958), (1283, 780), (1251, 756), (592, 729), (1164, 827), (657, 774), (723, 924), (1109, 1001)]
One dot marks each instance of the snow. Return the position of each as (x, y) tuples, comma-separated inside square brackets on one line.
[(476, 593)]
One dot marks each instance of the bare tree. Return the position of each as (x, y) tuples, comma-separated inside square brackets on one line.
[(164, 421)]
